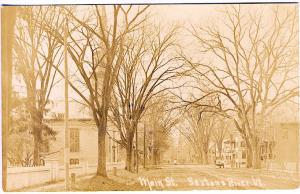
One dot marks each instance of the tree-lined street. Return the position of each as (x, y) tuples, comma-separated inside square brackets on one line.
[(179, 97)]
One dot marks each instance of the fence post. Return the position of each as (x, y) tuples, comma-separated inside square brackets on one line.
[(115, 170), (73, 179), (54, 170)]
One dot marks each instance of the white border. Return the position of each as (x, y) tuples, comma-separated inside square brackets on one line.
[(35, 2), (42, 2)]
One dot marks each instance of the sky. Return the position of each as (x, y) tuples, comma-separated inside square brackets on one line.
[(166, 15)]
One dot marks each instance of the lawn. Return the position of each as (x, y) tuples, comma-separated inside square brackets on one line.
[(124, 181)]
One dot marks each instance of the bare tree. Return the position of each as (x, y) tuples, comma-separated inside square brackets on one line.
[(220, 132), (97, 49), (36, 54), (198, 131), (20, 144), (252, 69), (148, 69), (161, 119)]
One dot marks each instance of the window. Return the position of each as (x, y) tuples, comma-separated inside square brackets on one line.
[(243, 155), (243, 144), (74, 161), (74, 140)]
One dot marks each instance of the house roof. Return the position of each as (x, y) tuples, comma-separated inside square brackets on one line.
[(83, 123)]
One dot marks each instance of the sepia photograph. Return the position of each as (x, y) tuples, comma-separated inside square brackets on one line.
[(150, 97)]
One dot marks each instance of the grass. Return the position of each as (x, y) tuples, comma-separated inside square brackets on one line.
[(124, 181)]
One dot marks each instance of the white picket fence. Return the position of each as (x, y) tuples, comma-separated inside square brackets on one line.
[(20, 177)]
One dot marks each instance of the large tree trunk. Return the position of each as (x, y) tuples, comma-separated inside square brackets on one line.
[(129, 156), (249, 154), (253, 154), (200, 156), (101, 168), (36, 150), (205, 153), (37, 130), (156, 156), (219, 146), (106, 93), (205, 157), (256, 162), (129, 148), (199, 159), (220, 154)]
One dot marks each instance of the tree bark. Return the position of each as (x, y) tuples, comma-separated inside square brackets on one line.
[(101, 167), (249, 154), (36, 150), (129, 156), (220, 147), (200, 156), (205, 152), (205, 157), (256, 162), (37, 124), (129, 147), (156, 156)]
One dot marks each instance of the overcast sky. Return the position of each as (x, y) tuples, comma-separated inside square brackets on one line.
[(185, 15)]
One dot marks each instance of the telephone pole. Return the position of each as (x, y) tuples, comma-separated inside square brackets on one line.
[(67, 135), (137, 151), (114, 155), (144, 145)]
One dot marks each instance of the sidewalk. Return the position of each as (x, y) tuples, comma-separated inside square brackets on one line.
[(278, 174), (123, 180), (56, 186)]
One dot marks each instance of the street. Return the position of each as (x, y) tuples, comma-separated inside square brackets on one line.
[(183, 177), (195, 177)]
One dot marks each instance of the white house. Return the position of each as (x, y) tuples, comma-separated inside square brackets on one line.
[(83, 143)]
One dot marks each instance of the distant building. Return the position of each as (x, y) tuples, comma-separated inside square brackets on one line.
[(280, 145), (180, 152), (83, 143), (281, 150), (233, 153)]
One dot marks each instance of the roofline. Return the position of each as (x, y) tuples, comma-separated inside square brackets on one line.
[(71, 119)]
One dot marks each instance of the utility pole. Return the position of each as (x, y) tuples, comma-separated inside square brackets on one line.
[(297, 164), (144, 145), (114, 155), (137, 151), (216, 151), (114, 147), (67, 135)]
